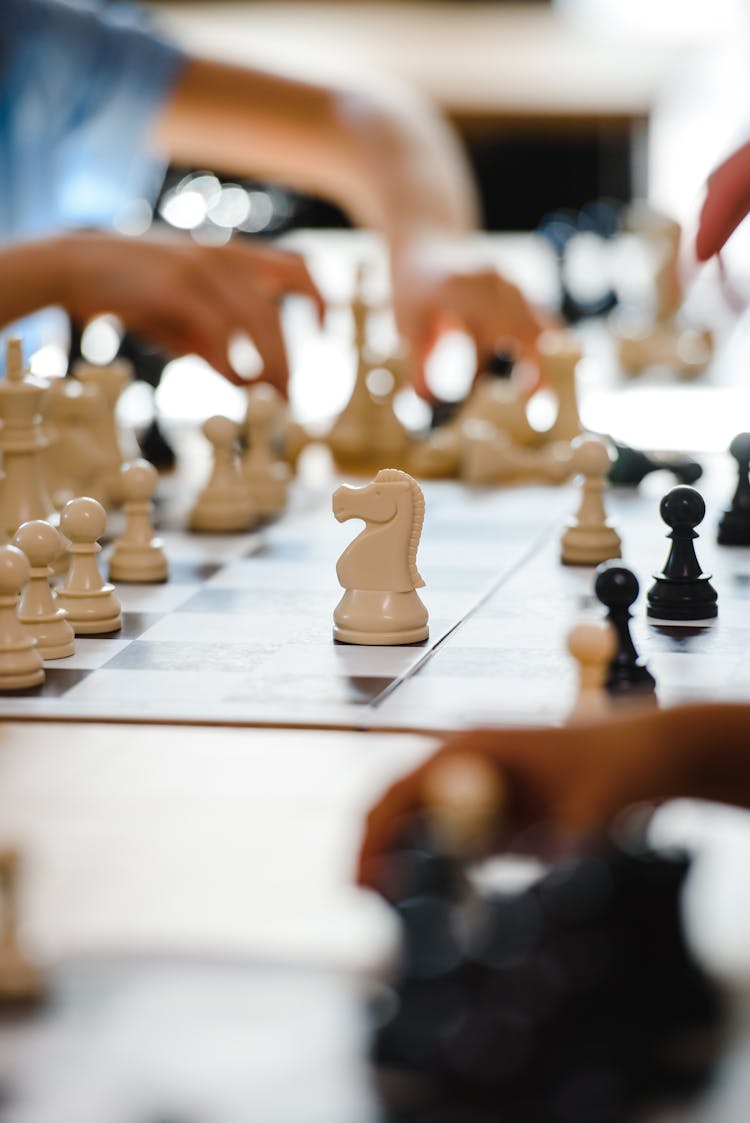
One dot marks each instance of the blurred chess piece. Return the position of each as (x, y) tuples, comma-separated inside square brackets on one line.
[(590, 538), (20, 981), (224, 505), (138, 556), (593, 645)]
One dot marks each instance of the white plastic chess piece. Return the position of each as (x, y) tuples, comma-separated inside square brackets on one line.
[(378, 570), (72, 416), (20, 980), (110, 380), (20, 662), (138, 556), (593, 644), (590, 538), (24, 494), (225, 504), (488, 456), (43, 619), (93, 608), (267, 476), (464, 798), (559, 355)]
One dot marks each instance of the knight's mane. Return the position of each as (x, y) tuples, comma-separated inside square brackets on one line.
[(395, 475)]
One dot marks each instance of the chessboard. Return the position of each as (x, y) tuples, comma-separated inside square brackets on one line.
[(241, 632)]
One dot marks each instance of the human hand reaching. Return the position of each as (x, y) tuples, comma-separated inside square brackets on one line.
[(440, 285), (183, 297)]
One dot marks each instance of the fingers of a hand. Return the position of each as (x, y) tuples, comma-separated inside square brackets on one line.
[(726, 204), (189, 325), (279, 272), (402, 800), (264, 326), (244, 308)]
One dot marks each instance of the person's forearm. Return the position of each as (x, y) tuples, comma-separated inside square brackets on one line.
[(31, 277), (388, 161)]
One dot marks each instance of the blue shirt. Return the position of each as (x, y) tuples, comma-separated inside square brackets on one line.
[(80, 85), (79, 89)]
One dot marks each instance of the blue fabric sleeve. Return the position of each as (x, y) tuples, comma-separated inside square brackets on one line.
[(79, 90)]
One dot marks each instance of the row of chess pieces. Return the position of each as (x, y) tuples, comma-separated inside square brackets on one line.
[(681, 593)]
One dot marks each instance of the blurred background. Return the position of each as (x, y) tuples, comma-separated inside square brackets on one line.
[(560, 104)]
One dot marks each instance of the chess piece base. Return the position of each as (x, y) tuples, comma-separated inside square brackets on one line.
[(632, 680), (228, 515), (138, 566), (380, 618), (90, 614), (55, 638), (21, 669), (734, 529), (590, 545), (681, 600)]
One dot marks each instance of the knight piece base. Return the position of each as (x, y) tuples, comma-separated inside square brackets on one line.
[(380, 618)]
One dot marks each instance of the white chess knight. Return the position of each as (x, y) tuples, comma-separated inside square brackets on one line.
[(378, 570)]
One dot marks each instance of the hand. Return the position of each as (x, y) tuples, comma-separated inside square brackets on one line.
[(726, 204), (438, 287), (181, 296), (576, 779)]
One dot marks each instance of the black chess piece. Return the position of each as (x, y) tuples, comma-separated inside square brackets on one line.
[(499, 363), (617, 589), (632, 465), (682, 591), (579, 990), (734, 525), (559, 229)]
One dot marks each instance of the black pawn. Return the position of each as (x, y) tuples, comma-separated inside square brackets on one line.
[(734, 525), (682, 591), (617, 589)]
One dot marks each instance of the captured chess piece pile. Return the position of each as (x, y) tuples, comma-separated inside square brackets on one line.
[(661, 340), (490, 440)]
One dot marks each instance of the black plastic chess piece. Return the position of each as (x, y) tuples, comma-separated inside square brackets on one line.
[(560, 229), (499, 363), (734, 525), (617, 589), (682, 591), (584, 973), (632, 465)]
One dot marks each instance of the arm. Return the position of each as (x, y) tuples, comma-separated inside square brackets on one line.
[(576, 779), (389, 161), (181, 296)]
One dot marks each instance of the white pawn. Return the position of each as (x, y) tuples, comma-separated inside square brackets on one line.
[(93, 608), (266, 475), (590, 538), (20, 662), (224, 504), (559, 355), (138, 556), (593, 645), (48, 624)]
